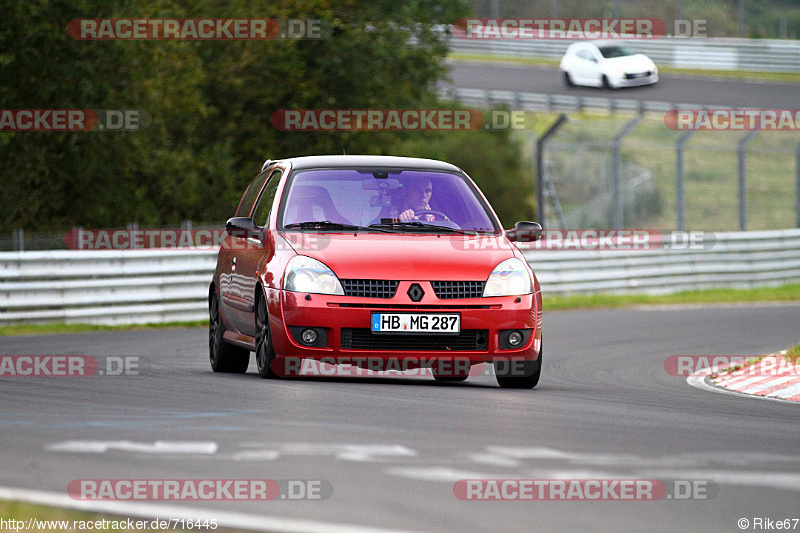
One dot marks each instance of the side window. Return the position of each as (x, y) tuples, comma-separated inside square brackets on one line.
[(261, 214), (249, 197)]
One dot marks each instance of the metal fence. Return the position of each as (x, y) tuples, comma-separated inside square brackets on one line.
[(648, 174), (152, 286), (703, 53)]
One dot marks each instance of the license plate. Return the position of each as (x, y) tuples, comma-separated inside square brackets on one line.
[(441, 324)]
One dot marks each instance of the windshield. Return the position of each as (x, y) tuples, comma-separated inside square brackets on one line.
[(409, 200), (615, 51)]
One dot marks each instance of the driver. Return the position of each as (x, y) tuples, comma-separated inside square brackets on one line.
[(417, 195)]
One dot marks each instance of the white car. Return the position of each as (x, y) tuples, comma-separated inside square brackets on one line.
[(606, 64)]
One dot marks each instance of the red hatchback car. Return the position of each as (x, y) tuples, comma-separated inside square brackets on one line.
[(373, 260)]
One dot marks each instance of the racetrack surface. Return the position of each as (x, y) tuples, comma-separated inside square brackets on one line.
[(670, 87), (605, 408)]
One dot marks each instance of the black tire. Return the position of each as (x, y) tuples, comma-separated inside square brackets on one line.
[(567, 80), (265, 352), (224, 357), (528, 378), (606, 84)]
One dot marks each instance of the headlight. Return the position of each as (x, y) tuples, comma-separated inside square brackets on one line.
[(509, 278), (305, 274)]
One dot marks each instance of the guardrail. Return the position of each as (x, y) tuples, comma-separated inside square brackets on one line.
[(105, 287), (149, 286), (719, 54), (557, 103), (737, 259)]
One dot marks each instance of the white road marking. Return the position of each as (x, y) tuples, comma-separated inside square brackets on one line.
[(776, 480), (344, 452), (223, 518), (441, 474), (769, 385), (698, 381), (162, 447), (492, 459), (445, 474), (788, 392)]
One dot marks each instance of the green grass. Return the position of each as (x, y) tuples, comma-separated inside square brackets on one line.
[(25, 511), (785, 293), (784, 77), (794, 352), (42, 329)]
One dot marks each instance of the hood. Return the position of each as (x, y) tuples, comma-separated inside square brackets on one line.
[(406, 257), (634, 63)]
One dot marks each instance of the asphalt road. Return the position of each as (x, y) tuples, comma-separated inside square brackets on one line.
[(670, 88), (392, 448)]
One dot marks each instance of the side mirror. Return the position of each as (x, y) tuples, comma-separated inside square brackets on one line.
[(525, 231), (242, 227)]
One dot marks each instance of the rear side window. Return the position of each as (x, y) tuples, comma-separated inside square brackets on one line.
[(250, 195), (261, 214)]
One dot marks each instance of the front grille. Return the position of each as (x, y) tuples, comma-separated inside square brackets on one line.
[(469, 340), (448, 290), (637, 75), (413, 306), (370, 288)]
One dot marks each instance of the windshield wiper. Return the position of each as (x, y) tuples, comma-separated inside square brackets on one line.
[(422, 225), (327, 224)]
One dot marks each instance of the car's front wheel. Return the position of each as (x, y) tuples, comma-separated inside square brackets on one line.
[(518, 374), (224, 357), (568, 80), (265, 353)]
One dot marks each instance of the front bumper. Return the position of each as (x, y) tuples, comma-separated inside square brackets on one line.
[(623, 81), (346, 321)]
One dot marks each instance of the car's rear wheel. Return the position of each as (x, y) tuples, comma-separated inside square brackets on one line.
[(518, 375), (568, 80), (265, 353), (224, 357)]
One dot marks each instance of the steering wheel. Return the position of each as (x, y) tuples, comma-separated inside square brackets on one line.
[(438, 215)]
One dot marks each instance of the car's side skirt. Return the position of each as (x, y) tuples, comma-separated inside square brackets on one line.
[(240, 339)]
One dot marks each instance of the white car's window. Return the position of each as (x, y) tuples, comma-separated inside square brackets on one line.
[(615, 51)]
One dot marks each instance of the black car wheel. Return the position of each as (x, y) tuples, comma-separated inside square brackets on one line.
[(518, 375), (224, 357), (265, 353)]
